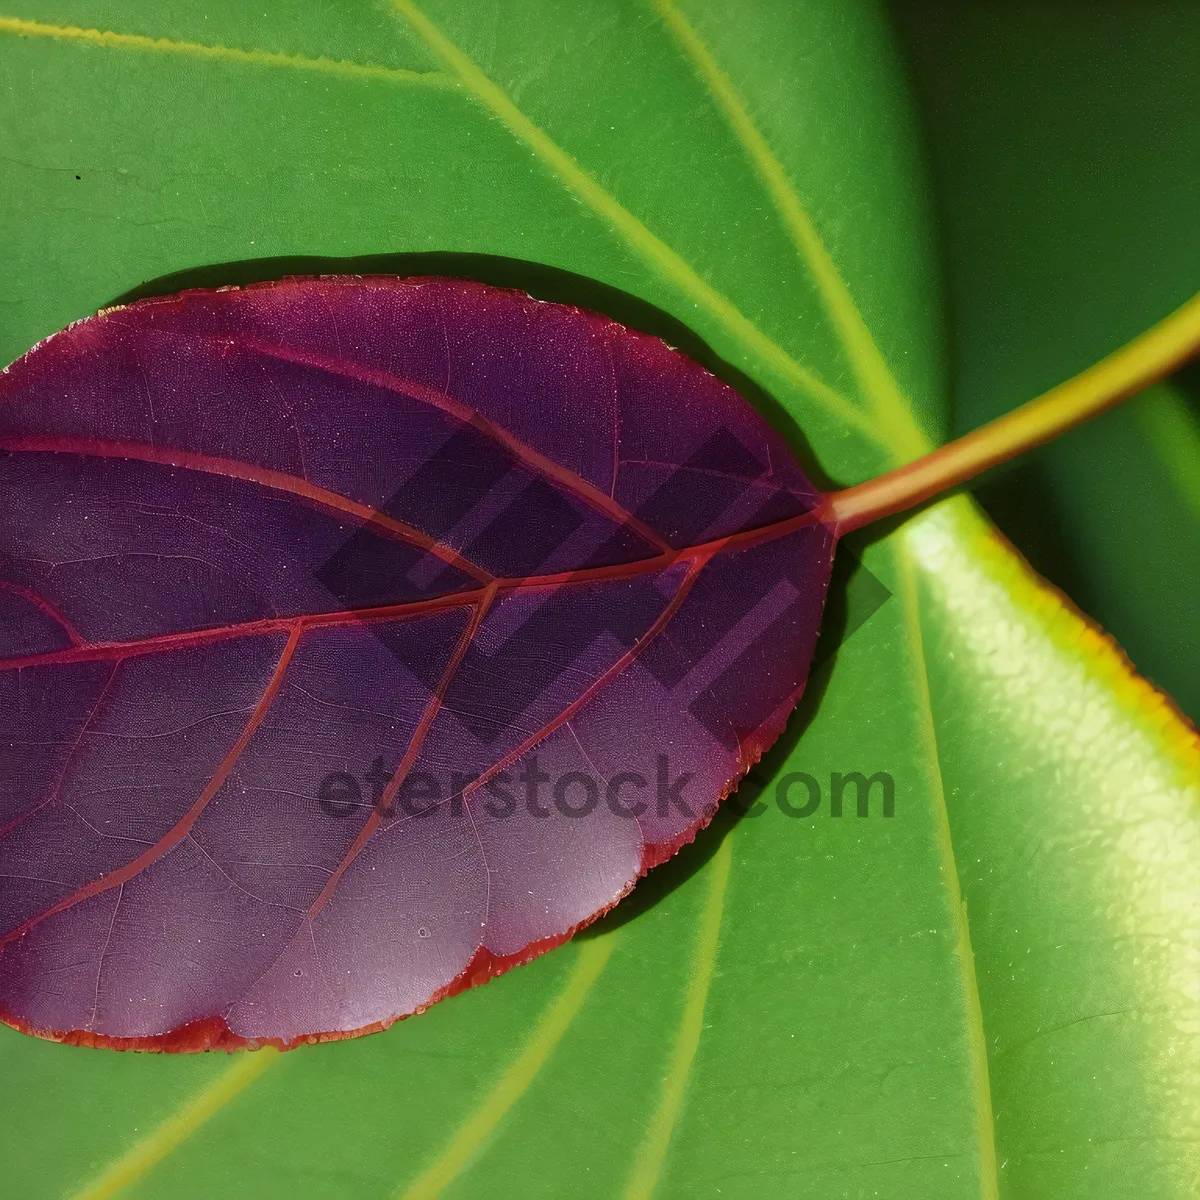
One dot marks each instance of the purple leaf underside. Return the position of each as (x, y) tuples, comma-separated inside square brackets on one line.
[(361, 638)]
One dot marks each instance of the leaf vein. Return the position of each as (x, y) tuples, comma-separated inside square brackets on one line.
[(262, 58), (152, 1149), (551, 1027), (652, 1154), (963, 952), (875, 378), (665, 261)]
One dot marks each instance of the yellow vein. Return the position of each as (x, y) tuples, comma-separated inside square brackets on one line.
[(870, 367), (153, 1148), (554, 1022), (654, 251), (261, 58), (964, 955), (1172, 432), (652, 1154)]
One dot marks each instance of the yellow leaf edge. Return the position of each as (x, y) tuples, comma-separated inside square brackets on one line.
[(1068, 629)]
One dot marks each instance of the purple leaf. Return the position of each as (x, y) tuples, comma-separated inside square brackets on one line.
[(361, 639)]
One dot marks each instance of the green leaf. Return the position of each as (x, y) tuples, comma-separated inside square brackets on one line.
[(984, 994)]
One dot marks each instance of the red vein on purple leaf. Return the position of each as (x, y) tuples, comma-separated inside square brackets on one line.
[(388, 795), (232, 468), (567, 479), (56, 791), (183, 827), (42, 604), (597, 685), (164, 643)]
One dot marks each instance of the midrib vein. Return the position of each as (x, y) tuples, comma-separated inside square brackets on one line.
[(985, 1131), (871, 369)]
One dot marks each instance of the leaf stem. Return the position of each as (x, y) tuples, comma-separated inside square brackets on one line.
[(1149, 356)]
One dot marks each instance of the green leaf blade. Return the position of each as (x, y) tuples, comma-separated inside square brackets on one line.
[(849, 1006)]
